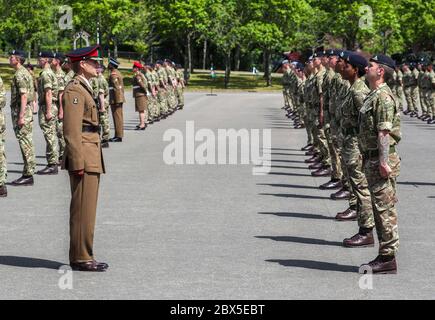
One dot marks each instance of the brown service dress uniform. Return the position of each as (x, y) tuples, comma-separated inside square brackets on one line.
[(116, 100), (140, 85), (82, 152)]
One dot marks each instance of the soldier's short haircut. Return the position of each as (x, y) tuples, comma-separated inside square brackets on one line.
[(388, 73), (75, 66), (22, 60)]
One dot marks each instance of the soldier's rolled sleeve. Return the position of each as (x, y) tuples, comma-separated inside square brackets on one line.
[(22, 85), (385, 113), (73, 105)]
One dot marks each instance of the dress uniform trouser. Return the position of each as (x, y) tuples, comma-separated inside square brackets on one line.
[(118, 119), (84, 196)]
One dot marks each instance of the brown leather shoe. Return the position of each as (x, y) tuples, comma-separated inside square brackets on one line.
[(381, 265), (3, 191), (48, 170), (341, 195), (348, 215), (322, 172), (360, 240), (90, 266), (313, 159), (315, 166), (23, 181), (330, 185)]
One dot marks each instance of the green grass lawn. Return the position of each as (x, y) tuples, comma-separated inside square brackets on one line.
[(199, 81)]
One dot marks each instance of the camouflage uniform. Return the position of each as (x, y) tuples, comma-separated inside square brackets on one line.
[(379, 113), (307, 108), (329, 132), (22, 83), (172, 85), (3, 166), (398, 88), (47, 80), (342, 91), (162, 95), (153, 111), (428, 91), (60, 75), (69, 76), (180, 89), (286, 83), (334, 147), (411, 90), (420, 83), (360, 195), (299, 100), (319, 134), (155, 82)]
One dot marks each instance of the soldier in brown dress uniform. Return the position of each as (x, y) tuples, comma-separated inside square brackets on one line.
[(116, 99), (83, 158), (140, 95)]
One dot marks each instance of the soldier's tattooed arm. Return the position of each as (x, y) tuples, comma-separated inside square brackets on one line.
[(384, 150), (384, 146)]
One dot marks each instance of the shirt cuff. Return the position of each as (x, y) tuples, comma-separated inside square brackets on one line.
[(388, 126)]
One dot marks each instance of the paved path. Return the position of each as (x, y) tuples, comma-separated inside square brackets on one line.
[(213, 232)]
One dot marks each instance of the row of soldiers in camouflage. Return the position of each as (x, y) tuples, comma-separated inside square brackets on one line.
[(352, 119), (158, 91)]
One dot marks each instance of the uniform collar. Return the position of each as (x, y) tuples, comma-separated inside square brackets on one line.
[(84, 81)]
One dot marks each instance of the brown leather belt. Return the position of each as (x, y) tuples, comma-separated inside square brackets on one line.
[(95, 129)]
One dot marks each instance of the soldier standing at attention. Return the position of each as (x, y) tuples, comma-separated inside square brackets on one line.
[(360, 204), (30, 68), (162, 95), (411, 89), (22, 115), (48, 91), (116, 99), (153, 111), (3, 167), (56, 65), (180, 87), (379, 134), (323, 167), (429, 90), (140, 95), (83, 158), (103, 112)]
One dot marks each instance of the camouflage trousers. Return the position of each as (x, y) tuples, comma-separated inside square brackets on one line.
[(25, 139), (287, 98), (360, 194), (49, 129), (398, 90), (412, 98), (162, 101), (334, 151), (60, 137), (172, 99), (427, 101), (153, 108), (180, 96), (384, 199), (3, 164), (321, 142), (103, 119)]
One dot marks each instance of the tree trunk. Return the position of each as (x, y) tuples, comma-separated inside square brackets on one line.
[(115, 49), (267, 57), (227, 69), (237, 59), (188, 58), (204, 58)]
